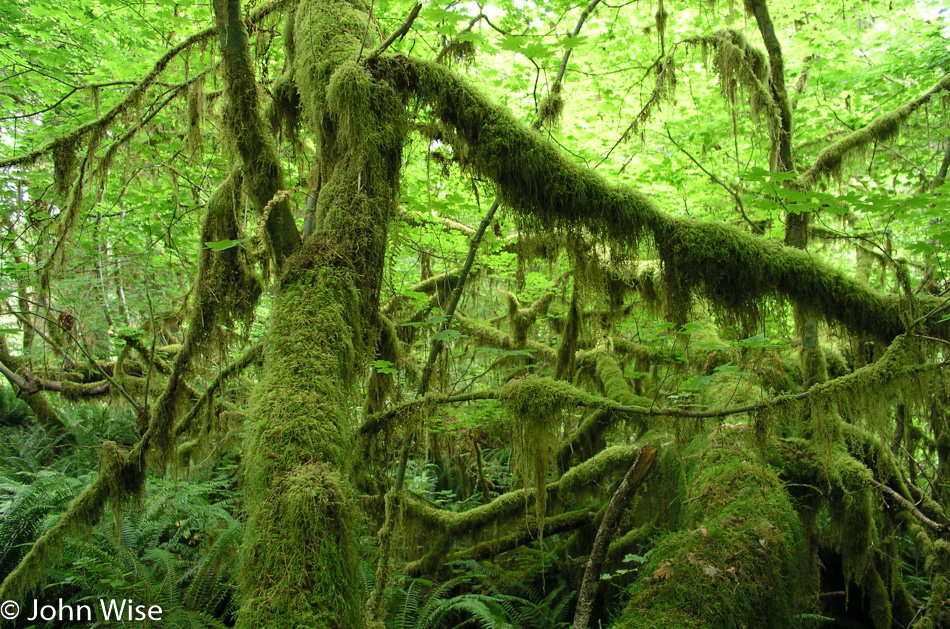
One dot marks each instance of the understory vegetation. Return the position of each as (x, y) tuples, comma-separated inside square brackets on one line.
[(541, 315)]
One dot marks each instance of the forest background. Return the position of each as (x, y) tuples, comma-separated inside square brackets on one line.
[(523, 314)]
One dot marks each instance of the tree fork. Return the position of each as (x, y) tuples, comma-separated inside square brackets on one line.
[(299, 554)]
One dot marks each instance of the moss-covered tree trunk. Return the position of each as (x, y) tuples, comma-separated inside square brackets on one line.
[(299, 558)]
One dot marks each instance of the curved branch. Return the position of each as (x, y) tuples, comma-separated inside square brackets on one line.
[(880, 129), (732, 268), (608, 526), (134, 95), (249, 356), (263, 178)]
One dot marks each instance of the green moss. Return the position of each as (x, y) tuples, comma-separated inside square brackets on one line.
[(734, 269), (735, 561), (864, 396), (938, 609), (814, 365), (550, 110), (304, 557), (298, 431), (567, 350), (742, 69), (75, 391), (880, 129), (489, 336), (227, 291), (350, 98), (853, 527), (64, 163), (521, 319), (195, 106), (779, 374), (536, 406), (298, 553), (586, 479), (587, 440)]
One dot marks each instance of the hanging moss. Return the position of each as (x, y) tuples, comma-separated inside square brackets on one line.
[(868, 558), (567, 350), (742, 68), (64, 163), (734, 269), (196, 105), (550, 109), (536, 409), (865, 395), (587, 440), (227, 291), (488, 336), (881, 129)]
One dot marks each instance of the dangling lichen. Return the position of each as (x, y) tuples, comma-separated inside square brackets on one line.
[(536, 407), (227, 291), (196, 105), (551, 108), (567, 350), (64, 163)]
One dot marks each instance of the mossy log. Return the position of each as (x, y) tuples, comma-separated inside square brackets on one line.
[(736, 558)]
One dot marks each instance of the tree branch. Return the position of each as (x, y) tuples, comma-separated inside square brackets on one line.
[(732, 268), (399, 33), (134, 95), (907, 504), (880, 129), (608, 526)]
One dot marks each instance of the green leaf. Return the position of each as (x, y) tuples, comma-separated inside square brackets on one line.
[(448, 335), (384, 366)]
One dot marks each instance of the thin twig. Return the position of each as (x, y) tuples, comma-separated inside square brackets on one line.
[(399, 33), (755, 228), (907, 504), (369, 19)]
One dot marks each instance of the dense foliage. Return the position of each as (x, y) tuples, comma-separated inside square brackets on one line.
[(529, 314)]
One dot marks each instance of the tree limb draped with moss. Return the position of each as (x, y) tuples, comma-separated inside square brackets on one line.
[(725, 264)]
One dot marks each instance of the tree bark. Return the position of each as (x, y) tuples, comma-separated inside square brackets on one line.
[(608, 526)]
